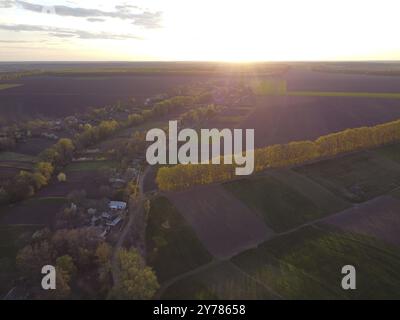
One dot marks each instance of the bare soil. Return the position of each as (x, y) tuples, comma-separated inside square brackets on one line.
[(379, 218), (224, 224)]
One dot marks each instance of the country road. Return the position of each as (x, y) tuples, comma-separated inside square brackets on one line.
[(135, 213)]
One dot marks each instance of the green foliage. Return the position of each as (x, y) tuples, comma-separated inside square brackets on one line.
[(137, 281), (201, 114)]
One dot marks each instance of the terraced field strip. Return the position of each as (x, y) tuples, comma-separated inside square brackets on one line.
[(356, 177), (220, 280), (223, 223), (306, 264), (6, 86), (322, 197), (394, 95)]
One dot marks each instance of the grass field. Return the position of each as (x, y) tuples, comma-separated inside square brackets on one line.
[(356, 177), (281, 206), (223, 281), (32, 211), (13, 156), (307, 265), (6, 86), (344, 94), (173, 247), (323, 198), (391, 152), (90, 165)]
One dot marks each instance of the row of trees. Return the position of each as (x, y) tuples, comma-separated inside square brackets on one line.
[(92, 134), (201, 114), (26, 183), (281, 155)]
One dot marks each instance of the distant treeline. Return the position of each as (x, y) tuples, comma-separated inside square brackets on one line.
[(281, 155)]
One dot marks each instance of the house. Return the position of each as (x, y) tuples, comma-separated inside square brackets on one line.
[(114, 222), (117, 205), (106, 215)]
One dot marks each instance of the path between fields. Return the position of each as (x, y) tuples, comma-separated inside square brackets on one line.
[(135, 211), (199, 269)]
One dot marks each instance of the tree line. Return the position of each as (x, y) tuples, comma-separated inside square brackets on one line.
[(83, 265), (281, 155)]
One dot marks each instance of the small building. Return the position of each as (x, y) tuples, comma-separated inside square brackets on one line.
[(91, 211), (106, 215), (117, 205), (114, 222)]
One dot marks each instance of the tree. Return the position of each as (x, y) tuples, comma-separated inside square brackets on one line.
[(62, 177), (65, 148), (66, 265), (45, 168), (137, 281), (32, 258)]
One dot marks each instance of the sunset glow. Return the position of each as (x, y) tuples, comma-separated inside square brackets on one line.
[(200, 30)]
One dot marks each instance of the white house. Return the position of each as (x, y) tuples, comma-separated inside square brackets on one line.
[(117, 205)]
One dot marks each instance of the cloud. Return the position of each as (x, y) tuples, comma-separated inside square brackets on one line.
[(14, 41), (95, 20), (6, 4), (67, 33), (146, 19)]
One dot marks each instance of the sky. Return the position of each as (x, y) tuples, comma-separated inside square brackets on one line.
[(199, 30)]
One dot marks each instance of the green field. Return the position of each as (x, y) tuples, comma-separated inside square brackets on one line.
[(282, 207), (223, 281), (391, 152), (307, 264), (6, 86), (90, 165), (323, 198), (173, 247), (34, 207), (12, 156), (344, 94), (356, 177)]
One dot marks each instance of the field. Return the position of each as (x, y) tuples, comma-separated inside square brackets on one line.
[(344, 94), (89, 166), (289, 118), (282, 207), (318, 231), (304, 79), (5, 86), (38, 210), (223, 281), (57, 96), (356, 177), (306, 265), (379, 218), (223, 224), (12, 156), (33, 146), (173, 247), (78, 179)]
